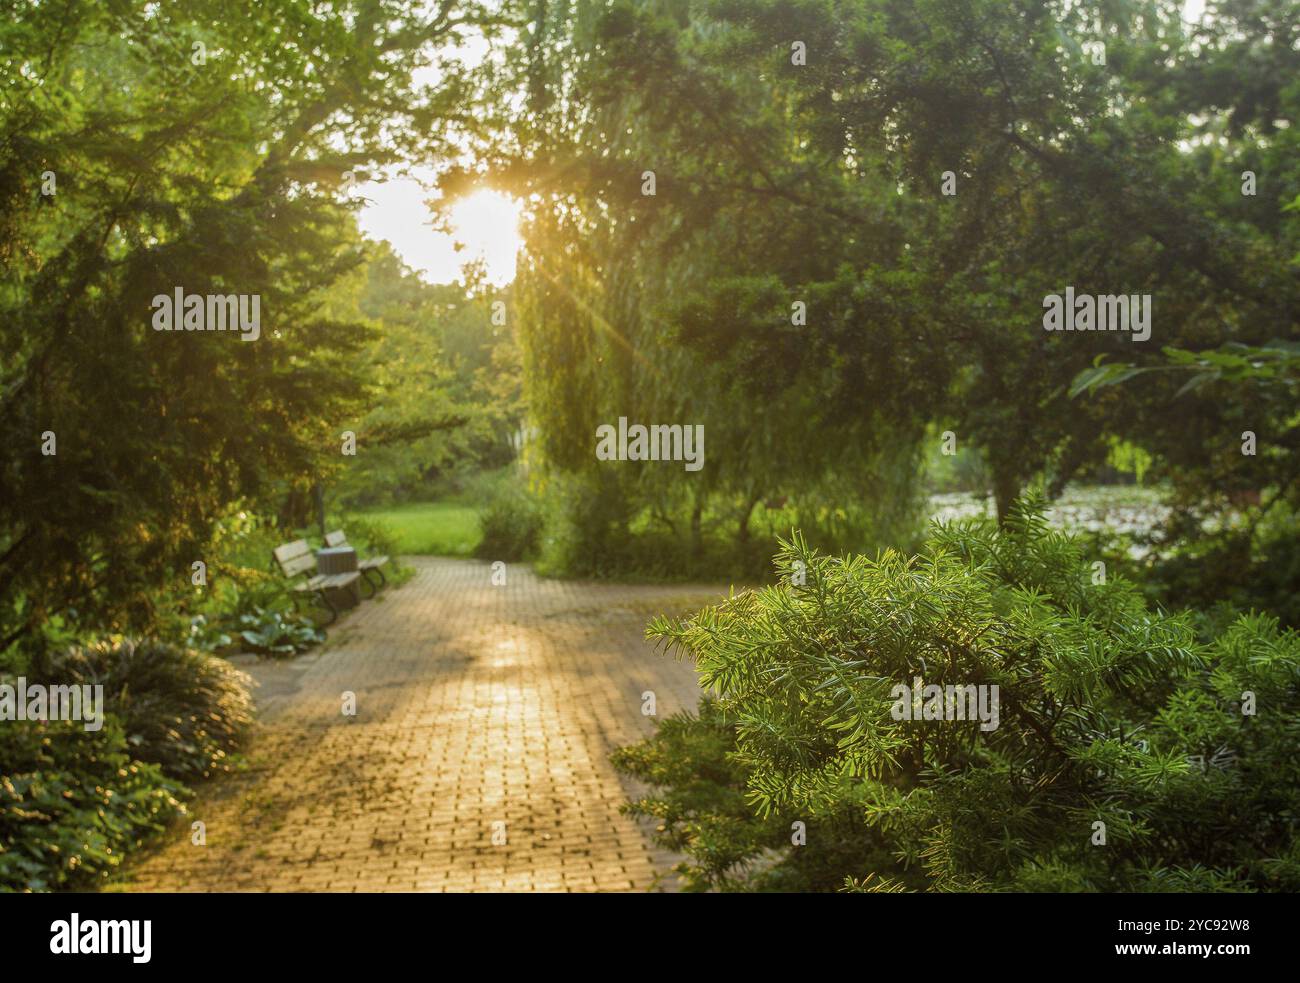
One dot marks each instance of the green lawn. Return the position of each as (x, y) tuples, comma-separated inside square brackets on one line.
[(440, 528)]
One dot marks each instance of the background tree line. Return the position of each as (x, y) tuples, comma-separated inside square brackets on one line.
[(821, 183)]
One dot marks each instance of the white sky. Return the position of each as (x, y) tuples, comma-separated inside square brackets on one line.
[(395, 210), (486, 225)]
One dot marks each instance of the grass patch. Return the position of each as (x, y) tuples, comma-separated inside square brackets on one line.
[(435, 528)]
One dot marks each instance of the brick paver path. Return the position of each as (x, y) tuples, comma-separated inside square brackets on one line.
[(476, 705)]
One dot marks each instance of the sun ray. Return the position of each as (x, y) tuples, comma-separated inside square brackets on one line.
[(482, 226), (486, 224)]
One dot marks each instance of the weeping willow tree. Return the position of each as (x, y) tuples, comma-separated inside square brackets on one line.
[(667, 283)]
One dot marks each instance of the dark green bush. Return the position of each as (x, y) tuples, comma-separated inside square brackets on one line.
[(183, 710), (511, 521), (592, 531), (72, 802), (1110, 713), (702, 812), (1229, 569), (587, 532)]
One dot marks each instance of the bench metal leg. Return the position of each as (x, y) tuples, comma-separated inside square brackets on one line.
[(334, 614)]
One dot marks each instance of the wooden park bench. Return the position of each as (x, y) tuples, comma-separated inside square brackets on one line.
[(297, 559), (367, 566)]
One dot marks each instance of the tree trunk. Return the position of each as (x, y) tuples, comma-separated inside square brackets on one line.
[(318, 501), (295, 512), (1006, 487), (742, 533)]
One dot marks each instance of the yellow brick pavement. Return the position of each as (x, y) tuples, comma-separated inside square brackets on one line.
[(476, 705)]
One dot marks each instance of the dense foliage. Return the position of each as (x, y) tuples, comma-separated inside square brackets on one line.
[(181, 709), (918, 182), (1109, 713), (822, 231), (445, 389), (208, 147), (74, 801), (211, 148)]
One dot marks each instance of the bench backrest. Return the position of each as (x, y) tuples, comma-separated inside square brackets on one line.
[(336, 538), (295, 558)]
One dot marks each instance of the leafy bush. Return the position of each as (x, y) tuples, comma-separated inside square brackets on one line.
[(367, 535), (274, 633), (52, 632), (587, 532), (703, 813), (511, 522), (207, 636), (183, 710), (1262, 574), (266, 631), (72, 801), (1109, 713), (593, 531)]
